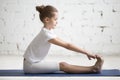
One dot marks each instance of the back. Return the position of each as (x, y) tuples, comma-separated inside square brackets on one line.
[(39, 46)]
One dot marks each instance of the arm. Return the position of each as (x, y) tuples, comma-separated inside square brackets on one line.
[(70, 46)]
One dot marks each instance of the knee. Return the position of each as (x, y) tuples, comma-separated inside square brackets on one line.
[(63, 66)]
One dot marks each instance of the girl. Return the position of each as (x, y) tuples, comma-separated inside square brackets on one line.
[(39, 47)]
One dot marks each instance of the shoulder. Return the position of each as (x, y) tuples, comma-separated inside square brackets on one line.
[(48, 34), (46, 31)]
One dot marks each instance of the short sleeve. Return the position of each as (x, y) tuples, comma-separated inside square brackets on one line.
[(49, 34)]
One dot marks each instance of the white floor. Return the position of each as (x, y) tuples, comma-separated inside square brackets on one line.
[(16, 62), (59, 78)]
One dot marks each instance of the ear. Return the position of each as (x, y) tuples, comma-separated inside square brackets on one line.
[(46, 19)]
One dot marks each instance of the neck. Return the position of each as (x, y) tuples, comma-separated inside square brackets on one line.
[(47, 27)]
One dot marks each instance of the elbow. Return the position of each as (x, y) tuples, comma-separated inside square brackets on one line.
[(68, 46)]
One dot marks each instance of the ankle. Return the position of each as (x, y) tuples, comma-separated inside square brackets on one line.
[(95, 69)]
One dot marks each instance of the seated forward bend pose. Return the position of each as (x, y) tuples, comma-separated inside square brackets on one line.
[(39, 47)]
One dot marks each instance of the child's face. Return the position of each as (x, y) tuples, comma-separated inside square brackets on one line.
[(53, 21)]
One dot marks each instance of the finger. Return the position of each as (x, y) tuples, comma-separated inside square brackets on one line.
[(93, 57), (97, 56), (89, 58)]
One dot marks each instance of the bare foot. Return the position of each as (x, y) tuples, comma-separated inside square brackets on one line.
[(98, 65)]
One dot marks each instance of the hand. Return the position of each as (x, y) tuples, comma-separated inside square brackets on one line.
[(91, 56)]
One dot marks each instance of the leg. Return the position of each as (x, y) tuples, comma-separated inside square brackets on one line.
[(68, 68), (40, 67)]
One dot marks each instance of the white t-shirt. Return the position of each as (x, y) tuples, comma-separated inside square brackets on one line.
[(40, 46)]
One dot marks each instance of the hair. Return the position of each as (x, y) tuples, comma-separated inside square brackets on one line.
[(46, 11)]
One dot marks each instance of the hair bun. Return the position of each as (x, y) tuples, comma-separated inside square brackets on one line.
[(40, 8)]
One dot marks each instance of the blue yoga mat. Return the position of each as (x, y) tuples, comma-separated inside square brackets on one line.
[(112, 72)]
